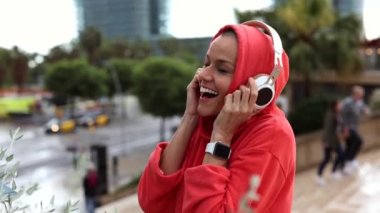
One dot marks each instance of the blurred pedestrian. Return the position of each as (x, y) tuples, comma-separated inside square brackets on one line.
[(230, 131), (333, 142), (353, 109), (90, 186)]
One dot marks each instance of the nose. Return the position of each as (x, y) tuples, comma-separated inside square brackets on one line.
[(206, 74)]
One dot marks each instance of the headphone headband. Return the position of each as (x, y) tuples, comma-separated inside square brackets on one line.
[(276, 40), (266, 83)]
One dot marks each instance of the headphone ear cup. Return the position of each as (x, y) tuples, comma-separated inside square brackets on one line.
[(265, 91)]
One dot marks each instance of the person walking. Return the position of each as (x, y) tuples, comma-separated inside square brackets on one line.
[(333, 142), (353, 109), (90, 186)]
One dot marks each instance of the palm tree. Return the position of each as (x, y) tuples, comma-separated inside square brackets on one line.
[(314, 37), (344, 39), (306, 19), (90, 40)]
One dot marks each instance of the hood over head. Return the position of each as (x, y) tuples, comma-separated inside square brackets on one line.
[(255, 56)]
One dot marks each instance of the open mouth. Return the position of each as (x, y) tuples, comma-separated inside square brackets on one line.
[(208, 93)]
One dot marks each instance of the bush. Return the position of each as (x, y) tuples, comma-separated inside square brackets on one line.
[(308, 115)]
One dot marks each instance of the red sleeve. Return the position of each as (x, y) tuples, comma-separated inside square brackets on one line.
[(157, 191), (210, 188)]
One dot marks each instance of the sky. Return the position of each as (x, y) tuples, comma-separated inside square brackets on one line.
[(38, 25)]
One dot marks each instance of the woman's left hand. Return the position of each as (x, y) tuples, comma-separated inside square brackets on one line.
[(238, 108)]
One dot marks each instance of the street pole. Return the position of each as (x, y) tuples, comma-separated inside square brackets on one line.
[(116, 81), (118, 88)]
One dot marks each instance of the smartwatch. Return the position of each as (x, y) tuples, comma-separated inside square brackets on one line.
[(219, 149)]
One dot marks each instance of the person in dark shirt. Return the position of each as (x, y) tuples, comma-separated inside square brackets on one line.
[(333, 141), (90, 186)]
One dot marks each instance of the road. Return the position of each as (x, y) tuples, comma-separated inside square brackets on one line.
[(46, 159)]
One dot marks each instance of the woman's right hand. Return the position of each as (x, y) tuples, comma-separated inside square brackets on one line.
[(193, 94)]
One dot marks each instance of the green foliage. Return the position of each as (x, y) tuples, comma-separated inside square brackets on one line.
[(62, 52), (303, 58), (90, 40), (306, 17), (172, 47), (76, 79), (5, 60), (139, 50), (160, 85), (114, 49), (11, 194), (315, 38), (169, 46), (122, 69), (19, 67), (344, 39), (308, 115)]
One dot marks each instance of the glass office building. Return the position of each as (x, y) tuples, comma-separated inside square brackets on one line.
[(132, 19), (347, 7)]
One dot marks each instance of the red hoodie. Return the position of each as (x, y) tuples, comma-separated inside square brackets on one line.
[(263, 146)]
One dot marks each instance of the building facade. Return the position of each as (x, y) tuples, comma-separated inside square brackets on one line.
[(348, 7), (130, 19)]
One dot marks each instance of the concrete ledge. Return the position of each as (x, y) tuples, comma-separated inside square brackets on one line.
[(309, 146)]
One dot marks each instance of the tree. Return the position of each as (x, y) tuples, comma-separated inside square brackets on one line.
[(75, 78), (90, 39), (114, 49), (121, 69), (314, 37), (5, 60), (344, 39), (160, 85), (185, 51), (61, 52), (19, 67), (169, 46)]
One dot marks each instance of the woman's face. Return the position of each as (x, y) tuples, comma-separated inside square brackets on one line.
[(217, 74)]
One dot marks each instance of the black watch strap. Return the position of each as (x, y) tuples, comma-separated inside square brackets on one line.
[(219, 150)]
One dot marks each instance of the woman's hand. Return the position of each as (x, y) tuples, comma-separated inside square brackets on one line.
[(238, 108), (193, 94)]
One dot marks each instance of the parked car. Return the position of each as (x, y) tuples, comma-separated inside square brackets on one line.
[(56, 125), (91, 119)]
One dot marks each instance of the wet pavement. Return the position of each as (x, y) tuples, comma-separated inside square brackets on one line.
[(44, 159), (355, 193), (358, 192)]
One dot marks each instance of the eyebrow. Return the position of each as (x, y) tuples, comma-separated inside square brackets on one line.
[(222, 61)]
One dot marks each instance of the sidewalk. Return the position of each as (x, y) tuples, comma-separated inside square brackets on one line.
[(130, 165), (357, 193)]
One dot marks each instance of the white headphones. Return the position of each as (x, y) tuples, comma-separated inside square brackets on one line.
[(265, 82)]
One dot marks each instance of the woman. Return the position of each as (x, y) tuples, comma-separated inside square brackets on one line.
[(333, 140), (226, 136)]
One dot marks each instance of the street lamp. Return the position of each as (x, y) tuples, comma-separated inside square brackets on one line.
[(117, 84), (118, 88)]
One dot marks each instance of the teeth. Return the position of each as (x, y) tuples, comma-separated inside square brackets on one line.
[(205, 90)]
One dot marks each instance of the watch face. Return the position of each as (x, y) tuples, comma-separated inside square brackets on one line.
[(222, 150)]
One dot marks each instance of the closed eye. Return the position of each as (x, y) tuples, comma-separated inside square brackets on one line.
[(223, 71)]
